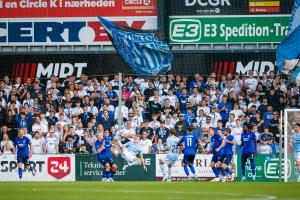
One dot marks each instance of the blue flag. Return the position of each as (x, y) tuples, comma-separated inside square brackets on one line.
[(144, 53), (288, 52), (295, 18)]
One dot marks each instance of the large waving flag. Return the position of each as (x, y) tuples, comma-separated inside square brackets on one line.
[(288, 52), (140, 50), (295, 18)]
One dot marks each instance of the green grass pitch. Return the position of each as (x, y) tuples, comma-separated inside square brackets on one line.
[(147, 190)]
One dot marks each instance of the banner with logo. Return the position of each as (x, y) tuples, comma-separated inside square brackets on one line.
[(68, 22), (201, 164), (76, 64), (48, 168), (267, 168), (229, 7), (89, 169), (228, 29)]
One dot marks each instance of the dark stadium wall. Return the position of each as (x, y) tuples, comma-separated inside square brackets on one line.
[(95, 64)]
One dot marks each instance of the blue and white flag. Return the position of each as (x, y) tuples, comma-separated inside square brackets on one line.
[(288, 52), (295, 18), (141, 51)]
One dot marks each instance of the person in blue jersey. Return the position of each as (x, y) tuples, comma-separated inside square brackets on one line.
[(226, 158), (295, 146), (103, 147), (191, 144), (248, 143), (217, 148), (23, 149)]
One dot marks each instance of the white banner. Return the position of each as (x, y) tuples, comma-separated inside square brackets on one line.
[(65, 31), (48, 168), (201, 164)]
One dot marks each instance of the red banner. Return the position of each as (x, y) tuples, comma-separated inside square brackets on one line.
[(76, 8)]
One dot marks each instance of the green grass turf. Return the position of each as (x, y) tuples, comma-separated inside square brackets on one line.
[(147, 190)]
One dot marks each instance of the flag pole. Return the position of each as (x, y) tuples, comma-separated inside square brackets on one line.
[(120, 115)]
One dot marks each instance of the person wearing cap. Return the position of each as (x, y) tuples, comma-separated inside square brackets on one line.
[(183, 122), (162, 132), (59, 101)]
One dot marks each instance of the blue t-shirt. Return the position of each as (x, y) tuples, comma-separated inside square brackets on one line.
[(216, 141), (190, 144), (22, 145), (228, 146), (106, 152), (296, 142), (248, 142)]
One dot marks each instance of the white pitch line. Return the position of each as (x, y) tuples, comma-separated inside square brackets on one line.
[(242, 196)]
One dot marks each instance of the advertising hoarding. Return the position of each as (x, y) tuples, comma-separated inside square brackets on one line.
[(229, 7), (94, 64), (68, 22), (89, 169), (201, 164), (228, 29), (48, 168)]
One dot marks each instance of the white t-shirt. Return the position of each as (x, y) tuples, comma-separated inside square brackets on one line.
[(237, 133), (173, 100), (205, 109), (264, 149), (145, 144), (37, 146), (3, 143), (36, 127), (252, 83), (172, 142), (51, 142), (44, 126), (197, 98), (231, 125)]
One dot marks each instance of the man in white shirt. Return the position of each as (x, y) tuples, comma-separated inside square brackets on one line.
[(215, 116), (146, 143), (44, 123), (37, 143), (195, 96), (37, 124), (173, 98), (203, 107), (251, 81), (124, 111), (231, 123), (236, 111), (264, 148), (51, 146)]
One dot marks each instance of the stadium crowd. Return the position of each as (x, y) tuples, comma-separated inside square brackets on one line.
[(63, 116)]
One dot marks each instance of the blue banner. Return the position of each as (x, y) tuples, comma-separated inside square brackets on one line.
[(288, 52), (144, 53)]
